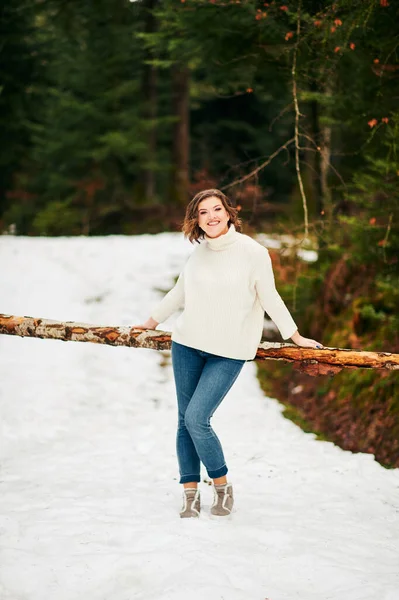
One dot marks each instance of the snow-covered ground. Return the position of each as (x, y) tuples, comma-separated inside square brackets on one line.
[(89, 497)]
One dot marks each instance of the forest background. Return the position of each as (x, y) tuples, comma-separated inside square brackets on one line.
[(113, 113)]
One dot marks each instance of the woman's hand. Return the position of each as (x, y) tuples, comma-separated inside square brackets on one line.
[(149, 324), (299, 340)]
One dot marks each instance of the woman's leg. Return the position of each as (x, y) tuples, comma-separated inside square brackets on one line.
[(217, 377), (187, 368)]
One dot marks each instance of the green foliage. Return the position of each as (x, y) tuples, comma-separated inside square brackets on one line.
[(21, 77), (56, 218), (75, 109)]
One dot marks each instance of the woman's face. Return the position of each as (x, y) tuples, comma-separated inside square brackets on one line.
[(213, 217)]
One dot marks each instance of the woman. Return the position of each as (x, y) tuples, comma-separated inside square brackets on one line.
[(225, 288)]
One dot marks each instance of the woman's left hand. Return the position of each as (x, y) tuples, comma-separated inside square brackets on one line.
[(299, 340)]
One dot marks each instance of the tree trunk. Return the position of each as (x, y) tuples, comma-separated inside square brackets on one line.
[(325, 158), (149, 88), (315, 158), (324, 361), (181, 135)]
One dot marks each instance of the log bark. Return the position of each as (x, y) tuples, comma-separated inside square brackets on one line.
[(324, 361)]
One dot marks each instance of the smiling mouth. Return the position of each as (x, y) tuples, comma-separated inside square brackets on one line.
[(217, 223)]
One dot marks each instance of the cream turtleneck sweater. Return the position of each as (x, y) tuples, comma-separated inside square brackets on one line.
[(225, 288)]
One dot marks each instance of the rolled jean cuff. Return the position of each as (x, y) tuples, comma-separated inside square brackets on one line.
[(218, 473), (189, 478)]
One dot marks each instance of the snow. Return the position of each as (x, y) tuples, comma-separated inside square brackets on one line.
[(286, 244), (89, 494)]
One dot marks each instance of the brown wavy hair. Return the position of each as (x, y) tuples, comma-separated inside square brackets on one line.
[(190, 226)]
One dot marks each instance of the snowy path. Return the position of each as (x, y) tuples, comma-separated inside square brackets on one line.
[(89, 497)]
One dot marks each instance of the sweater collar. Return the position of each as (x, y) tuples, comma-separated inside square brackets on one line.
[(223, 241)]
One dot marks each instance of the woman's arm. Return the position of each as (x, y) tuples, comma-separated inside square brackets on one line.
[(273, 304), (269, 297), (171, 302)]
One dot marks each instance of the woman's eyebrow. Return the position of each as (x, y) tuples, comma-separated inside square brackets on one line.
[(213, 207)]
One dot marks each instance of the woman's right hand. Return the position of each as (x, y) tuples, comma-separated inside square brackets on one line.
[(149, 324)]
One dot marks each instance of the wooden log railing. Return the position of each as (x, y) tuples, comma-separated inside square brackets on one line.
[(323, 361)]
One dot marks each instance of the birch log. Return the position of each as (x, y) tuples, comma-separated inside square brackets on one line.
[(323, 361)]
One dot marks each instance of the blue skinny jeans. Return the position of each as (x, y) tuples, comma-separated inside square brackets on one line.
[(202, 380)]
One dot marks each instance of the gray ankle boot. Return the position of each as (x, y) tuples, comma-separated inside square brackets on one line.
[(191, 503), (224, 500)]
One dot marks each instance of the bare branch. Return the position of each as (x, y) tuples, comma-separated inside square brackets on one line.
[(262, 166), (297, 115), (318, 149), (281, 113)]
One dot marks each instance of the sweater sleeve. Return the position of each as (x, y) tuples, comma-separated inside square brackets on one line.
[(269, 297), (171, 302)]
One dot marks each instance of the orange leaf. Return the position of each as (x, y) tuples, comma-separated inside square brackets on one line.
[(372, 221), (249, 90), (385, 119), (283, 7), (382, 243), (337, 49), (372, 123), (332, 29), (352, 46), (338, 22), (317, 23), (289, 35), (376, 61), (384, 2)]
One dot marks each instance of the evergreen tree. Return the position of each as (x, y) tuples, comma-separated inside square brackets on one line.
[(19, 97)]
